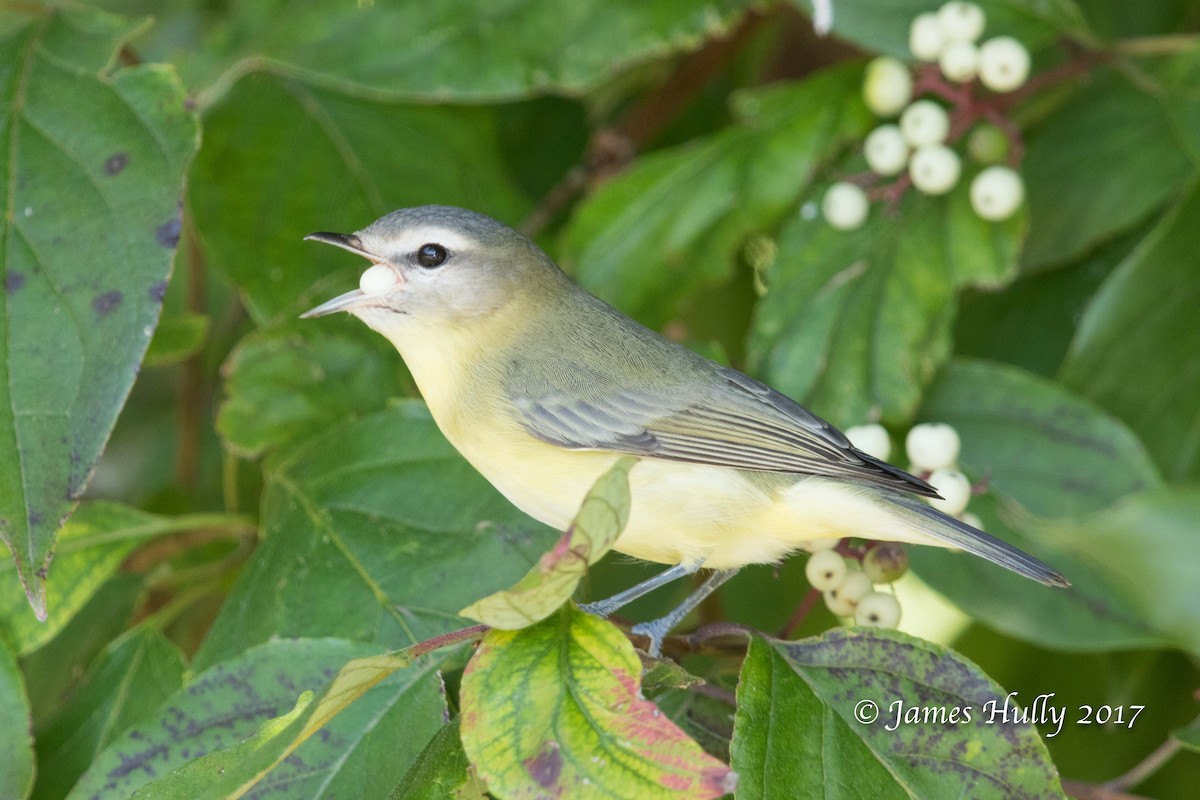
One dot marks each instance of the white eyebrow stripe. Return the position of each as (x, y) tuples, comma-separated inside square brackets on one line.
[(413, 239)]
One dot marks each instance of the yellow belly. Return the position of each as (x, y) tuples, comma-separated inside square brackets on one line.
[(680, 513)]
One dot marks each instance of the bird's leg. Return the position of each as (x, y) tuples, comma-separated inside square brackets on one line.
[(602, 608), (658, 629)]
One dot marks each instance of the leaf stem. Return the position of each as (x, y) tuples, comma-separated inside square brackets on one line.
[(800, 614)]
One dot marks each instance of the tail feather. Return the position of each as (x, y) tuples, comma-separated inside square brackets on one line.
[(959, 534)]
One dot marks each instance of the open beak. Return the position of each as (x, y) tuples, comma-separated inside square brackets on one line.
[(347, 301)]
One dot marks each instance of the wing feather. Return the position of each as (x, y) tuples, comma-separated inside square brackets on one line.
[(733, 421)]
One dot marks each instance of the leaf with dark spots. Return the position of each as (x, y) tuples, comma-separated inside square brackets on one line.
[(158, 291), (801, 713), (66, 110), (400, 709), (167, 234), (1056, 455), (556, 710), (115, 163), (105, 304)]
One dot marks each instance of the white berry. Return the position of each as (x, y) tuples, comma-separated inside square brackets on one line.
[(961, 22), (378, 279), (932, 445), (972, 519), (1003, 64), (954, 488), (825, 570), (838, 606), (872, 439), (886, 150), (887, 86), (877, 610), (925, 37), (924, 122), (996, 193), (854, 587), (934, 169), (845, 206), (959, 61)]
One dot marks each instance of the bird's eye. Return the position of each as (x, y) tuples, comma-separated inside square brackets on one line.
[(431, 255)]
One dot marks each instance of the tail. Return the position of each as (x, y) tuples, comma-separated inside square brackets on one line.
[(959, 534)]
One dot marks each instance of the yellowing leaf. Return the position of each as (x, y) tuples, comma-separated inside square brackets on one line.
[(555, 710), (552, 581)]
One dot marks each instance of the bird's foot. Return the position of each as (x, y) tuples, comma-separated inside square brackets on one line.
[(655, 630)]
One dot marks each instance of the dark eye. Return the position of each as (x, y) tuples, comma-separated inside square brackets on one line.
[(431, 255)]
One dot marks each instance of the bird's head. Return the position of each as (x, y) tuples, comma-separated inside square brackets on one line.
[(436, 266)]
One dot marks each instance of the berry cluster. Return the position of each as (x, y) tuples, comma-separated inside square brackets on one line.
[(920, 139), (846, 574), (849, 591)]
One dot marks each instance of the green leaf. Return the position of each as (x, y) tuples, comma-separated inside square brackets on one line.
[(132, 677), (348, 160), (177, 339), (855, 324), (800, 729), (398, 530), (1189, 736), (882, 25), (441, 771), (1056, 455), (1155, 536), (1074, 204), (91, 547), (94, 160), (1036, 442), (229, 702), (675, 221), (552, 581), (459, 50), (293, 380), (1135, 350), (555, 710), (58, 665), (16, 743), (225, 774)]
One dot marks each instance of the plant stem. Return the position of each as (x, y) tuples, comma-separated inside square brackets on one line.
[(191, 383), (1146, 767), (800, 614)]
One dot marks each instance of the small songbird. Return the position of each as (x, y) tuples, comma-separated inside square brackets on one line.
[(542, 387)]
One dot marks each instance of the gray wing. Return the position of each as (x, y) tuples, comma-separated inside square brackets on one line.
[(733, 421)]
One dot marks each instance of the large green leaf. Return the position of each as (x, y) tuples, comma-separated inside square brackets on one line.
[(91, 546), (466, 50), (345, 161), (1057, 456), (393, 525), (855, 324), (16, 744), (817, 718), (1036, 442), (552, 581), (1137, 350), (292, 380), (676, 219), (131, 678), (228, 703), (555, 710), (1075, 202), (93, 159), (882, 25)]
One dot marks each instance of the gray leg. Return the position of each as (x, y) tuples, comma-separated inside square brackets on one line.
[(659, 628), (602, 608)]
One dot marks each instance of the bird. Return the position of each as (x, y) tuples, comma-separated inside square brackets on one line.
[(542, 387)]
